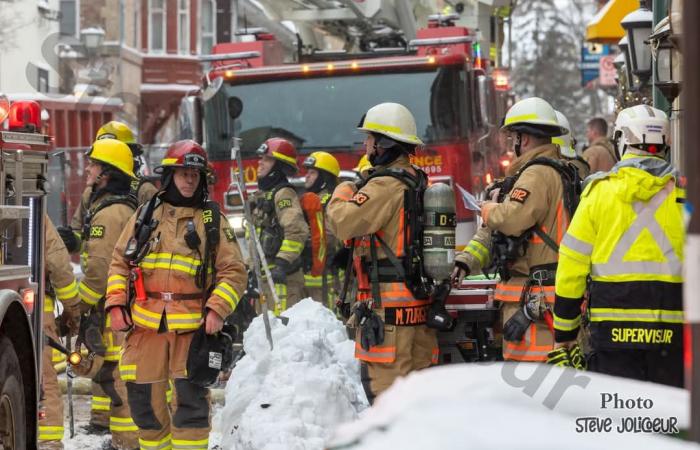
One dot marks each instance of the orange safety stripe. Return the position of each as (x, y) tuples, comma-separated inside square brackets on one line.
[(527, 349), (376, 353), (436, 356), (511, 293), (399, 237)]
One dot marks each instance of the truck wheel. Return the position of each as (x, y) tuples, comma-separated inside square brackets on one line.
[(12, 413)]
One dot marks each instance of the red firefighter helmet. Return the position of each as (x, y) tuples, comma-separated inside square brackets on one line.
[(281, 150), (186, 153)]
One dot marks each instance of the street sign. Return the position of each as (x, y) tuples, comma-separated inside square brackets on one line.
[(607, 71), (590, 61)]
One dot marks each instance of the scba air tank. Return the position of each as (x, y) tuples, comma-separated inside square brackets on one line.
[(439, 231)]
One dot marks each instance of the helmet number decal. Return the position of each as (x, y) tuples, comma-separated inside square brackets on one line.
[(195, 161)]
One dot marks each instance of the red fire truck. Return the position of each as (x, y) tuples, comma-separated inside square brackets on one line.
[(316, 103), (24, 162)]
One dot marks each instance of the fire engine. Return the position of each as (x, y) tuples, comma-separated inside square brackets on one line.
[(316, 103), (24, 162)]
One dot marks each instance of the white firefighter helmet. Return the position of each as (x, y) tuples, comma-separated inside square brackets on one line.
[(642, 127), (392, 120), (565, 141), (533, 116)]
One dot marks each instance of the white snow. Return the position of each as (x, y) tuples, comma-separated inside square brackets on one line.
[(291, 398), (506, 405)]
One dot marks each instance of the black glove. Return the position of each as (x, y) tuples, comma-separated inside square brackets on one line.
[(438, 317), (578, 361), (372, 328), (344, 308), (69, 238), (340, 259), (279, 271), (559, 357), (517, 325)]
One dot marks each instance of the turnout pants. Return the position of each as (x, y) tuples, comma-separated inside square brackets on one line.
[(658, 366), (289, 293), (535, 344), (51, 424), (405, 349), (149, 360)]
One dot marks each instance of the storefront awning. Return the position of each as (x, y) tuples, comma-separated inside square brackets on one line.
[(605, 26)]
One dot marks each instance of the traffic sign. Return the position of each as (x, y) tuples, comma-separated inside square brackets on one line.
[(607, 71)]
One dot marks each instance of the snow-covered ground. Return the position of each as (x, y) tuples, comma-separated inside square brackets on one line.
[(291, 398), (523, 406)]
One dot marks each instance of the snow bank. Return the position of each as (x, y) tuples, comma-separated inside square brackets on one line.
[(523, 406), (291, 398)]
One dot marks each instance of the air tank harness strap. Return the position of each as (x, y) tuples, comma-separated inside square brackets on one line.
[(374, 272)]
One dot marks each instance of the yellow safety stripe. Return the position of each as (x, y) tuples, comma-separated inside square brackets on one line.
[(566, 324), (171, 261), (281, 291), (283, 157), (635, 315), (67, 292), (292, 246), (557, 140), (112, 353), (185, 444), (313, 281), (88, 295), (50, 433), (169, 392), (163, 444), (100, 403), (56, 356), (127, 372), (322, 245), (168, 161), (478, 251), (49, 305), (228, 293), (122, 424), (145, 318), (184, 321), (115, 283), (388, 128)]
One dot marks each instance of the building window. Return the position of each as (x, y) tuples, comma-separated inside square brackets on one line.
[(68, 25), (208, 26), (137, 25), (42, 84), (183, 27), (156, 26)]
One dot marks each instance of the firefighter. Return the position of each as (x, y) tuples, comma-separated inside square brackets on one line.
[(392, 339), (600, 155), (186, 271), (567, 147), (363, 166), (523, 221), (627, 235), (322, 171), (279, 221), (142, 189), (109, 176), (63, 288)]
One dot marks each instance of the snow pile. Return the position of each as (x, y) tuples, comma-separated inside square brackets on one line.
[(523, 406), (294, 396)]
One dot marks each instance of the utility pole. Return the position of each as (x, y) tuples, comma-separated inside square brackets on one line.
[(690, 100), (660, 10)]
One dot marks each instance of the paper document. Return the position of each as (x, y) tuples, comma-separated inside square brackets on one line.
[(470, 202)]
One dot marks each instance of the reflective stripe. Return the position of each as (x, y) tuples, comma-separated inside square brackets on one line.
[(163, 444), (88, 295), (284, 157), (169, 392), (343, 192), (50, 433), (115, 283), (616, 264), (478, 251), (122, 424), (228, 293), (389, 129), (512, 293), (435, 357), (313, 281), (144, 317), (100, 403), (375, 353), (322, 244), (49, 304), (186, 321), (281, 291), (67, 292), (566, 324), (183, 444), (171, 261), (127, 372), (635, 315), (577, 245), (292, 246), (56, 356)]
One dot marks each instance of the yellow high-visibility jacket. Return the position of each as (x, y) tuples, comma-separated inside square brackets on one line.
[(627, 235)]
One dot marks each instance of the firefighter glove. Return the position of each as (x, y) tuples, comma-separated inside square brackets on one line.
[(578, 361), (70, 238), (279, 271), (460, 271), (515, 328), (371, 329), (559, 357)]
